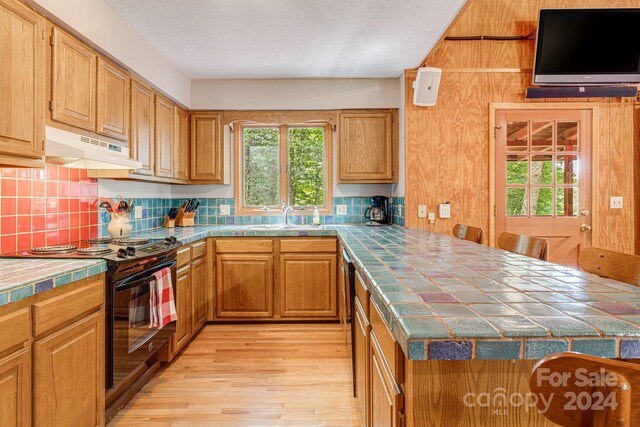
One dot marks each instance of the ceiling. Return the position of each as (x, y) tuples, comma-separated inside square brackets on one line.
[(290, 38)]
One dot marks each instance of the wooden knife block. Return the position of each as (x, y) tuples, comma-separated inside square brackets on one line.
[(185, 219), (168, 222)]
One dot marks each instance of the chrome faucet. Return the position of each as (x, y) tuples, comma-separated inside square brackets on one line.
[(285, 213)]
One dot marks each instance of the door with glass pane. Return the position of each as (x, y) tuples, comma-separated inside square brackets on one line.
[(543, 178)]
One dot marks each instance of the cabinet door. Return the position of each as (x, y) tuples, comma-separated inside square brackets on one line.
[(22, 80), (142, 140), (308, 285), (181, 168), (73, 82), (15, 389), (207, 147), (164, 137), (244, 285), (199, 297), (386, 397), (113, 101), (68, 389), (367, 147), (183, 308), (361, 356)]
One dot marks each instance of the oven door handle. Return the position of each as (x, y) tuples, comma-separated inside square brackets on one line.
[(143, 278)]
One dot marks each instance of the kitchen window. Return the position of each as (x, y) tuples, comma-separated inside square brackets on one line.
[(282, 163)]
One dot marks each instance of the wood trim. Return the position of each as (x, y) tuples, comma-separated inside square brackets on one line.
[(278, 117)]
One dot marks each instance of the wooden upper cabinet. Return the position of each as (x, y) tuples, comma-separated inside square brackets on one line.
[(22, 77), (181, 163), (113, 101), (207, 163), (164, 137), (368, 148), (73, 82), (142, 139)]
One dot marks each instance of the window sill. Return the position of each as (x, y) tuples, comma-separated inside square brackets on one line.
[(239, 211)]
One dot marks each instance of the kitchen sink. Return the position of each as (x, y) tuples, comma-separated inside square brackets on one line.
[(291, 227)]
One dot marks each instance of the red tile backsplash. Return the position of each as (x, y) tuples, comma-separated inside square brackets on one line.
[(47, 206)]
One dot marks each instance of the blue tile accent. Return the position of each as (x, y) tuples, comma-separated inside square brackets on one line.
[(4, 298), (78, 275), (630, 349), (44, 285), (63, 279), (450, 350), (540, 348), (20, 293), (498, 350), (596, 347)]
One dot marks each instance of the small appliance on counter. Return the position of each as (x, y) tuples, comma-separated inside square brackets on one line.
[(378, 213)]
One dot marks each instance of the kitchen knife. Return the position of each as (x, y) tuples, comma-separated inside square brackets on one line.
[(195, 206)]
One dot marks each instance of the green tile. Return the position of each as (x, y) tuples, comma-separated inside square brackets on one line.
[(537, 349), (428, 327), (498, 350), (596, 347), (21, 293), (451, 310), (471, 327), (612, 326), (517, 326), (402, 310), (563, 326)]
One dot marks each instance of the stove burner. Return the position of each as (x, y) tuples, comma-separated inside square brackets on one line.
[(60, 249), (94, 250), (131, 242), (99, 240)]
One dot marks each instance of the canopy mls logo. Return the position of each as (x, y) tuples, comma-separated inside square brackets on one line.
[(579, 390)]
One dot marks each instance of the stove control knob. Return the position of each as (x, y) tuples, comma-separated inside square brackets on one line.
[(131, 251), (122, 253)]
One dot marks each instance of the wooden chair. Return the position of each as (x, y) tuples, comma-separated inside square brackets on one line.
[(610, 264), (560, 373), (466, 232), (533, 247)]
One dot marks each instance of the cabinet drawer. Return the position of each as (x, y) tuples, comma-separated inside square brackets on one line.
[(308, 245), (362, 293), (183, 256), (236, 246), (385, 339), (54, 312), (198, 249), (14, 329)]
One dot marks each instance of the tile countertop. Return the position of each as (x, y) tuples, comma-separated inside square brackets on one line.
[(443, 298)]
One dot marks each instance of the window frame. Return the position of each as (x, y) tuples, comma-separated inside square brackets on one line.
[(240, 208)]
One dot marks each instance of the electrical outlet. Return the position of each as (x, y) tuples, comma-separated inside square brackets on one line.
[(137, 212), (422, 211), (432, 217), (444, 210), (615, 202), (225, 210), (341, 209)]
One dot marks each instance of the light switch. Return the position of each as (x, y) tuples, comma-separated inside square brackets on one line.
[(225, 210), (422, 211), (616, 202), (137, 212), (341, 209)]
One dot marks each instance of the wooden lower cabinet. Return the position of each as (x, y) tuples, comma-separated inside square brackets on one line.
[(199, 283), (183, 308), (15, 389), (386, 396), (69, 375), (244, 286), (361, 355), (308, 285)]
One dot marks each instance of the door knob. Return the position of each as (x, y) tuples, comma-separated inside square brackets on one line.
[(585, 212), (585, 227)]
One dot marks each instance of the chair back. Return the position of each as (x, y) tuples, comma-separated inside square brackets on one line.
[(466, 232), (533, 247), (568, 386), (610, 264)]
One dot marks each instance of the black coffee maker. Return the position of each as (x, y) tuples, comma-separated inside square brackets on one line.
[(378, 213)]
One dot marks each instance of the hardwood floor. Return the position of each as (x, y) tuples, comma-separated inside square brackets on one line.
[(252, 375)]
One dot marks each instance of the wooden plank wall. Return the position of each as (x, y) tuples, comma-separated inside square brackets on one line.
[(447, 146)]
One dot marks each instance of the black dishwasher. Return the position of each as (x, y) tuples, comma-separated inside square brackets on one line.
[(348, 294)]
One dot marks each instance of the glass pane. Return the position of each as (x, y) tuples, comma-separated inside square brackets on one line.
[(567, 169), (567, 203), (542, 169), (541, 201), (306, 166), (261, 166), (517, 169), (517, 136), (567, 136), (517, 201), (541, 136)]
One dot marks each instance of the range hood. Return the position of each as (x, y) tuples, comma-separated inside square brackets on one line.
[(72, 150)]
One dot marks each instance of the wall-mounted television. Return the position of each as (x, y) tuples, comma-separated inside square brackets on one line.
[(587, 47)]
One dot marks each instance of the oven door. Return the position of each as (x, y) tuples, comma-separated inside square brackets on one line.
[(133, 342)]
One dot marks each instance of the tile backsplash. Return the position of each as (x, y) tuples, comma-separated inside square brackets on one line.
[(49, 206), (208, 213)]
